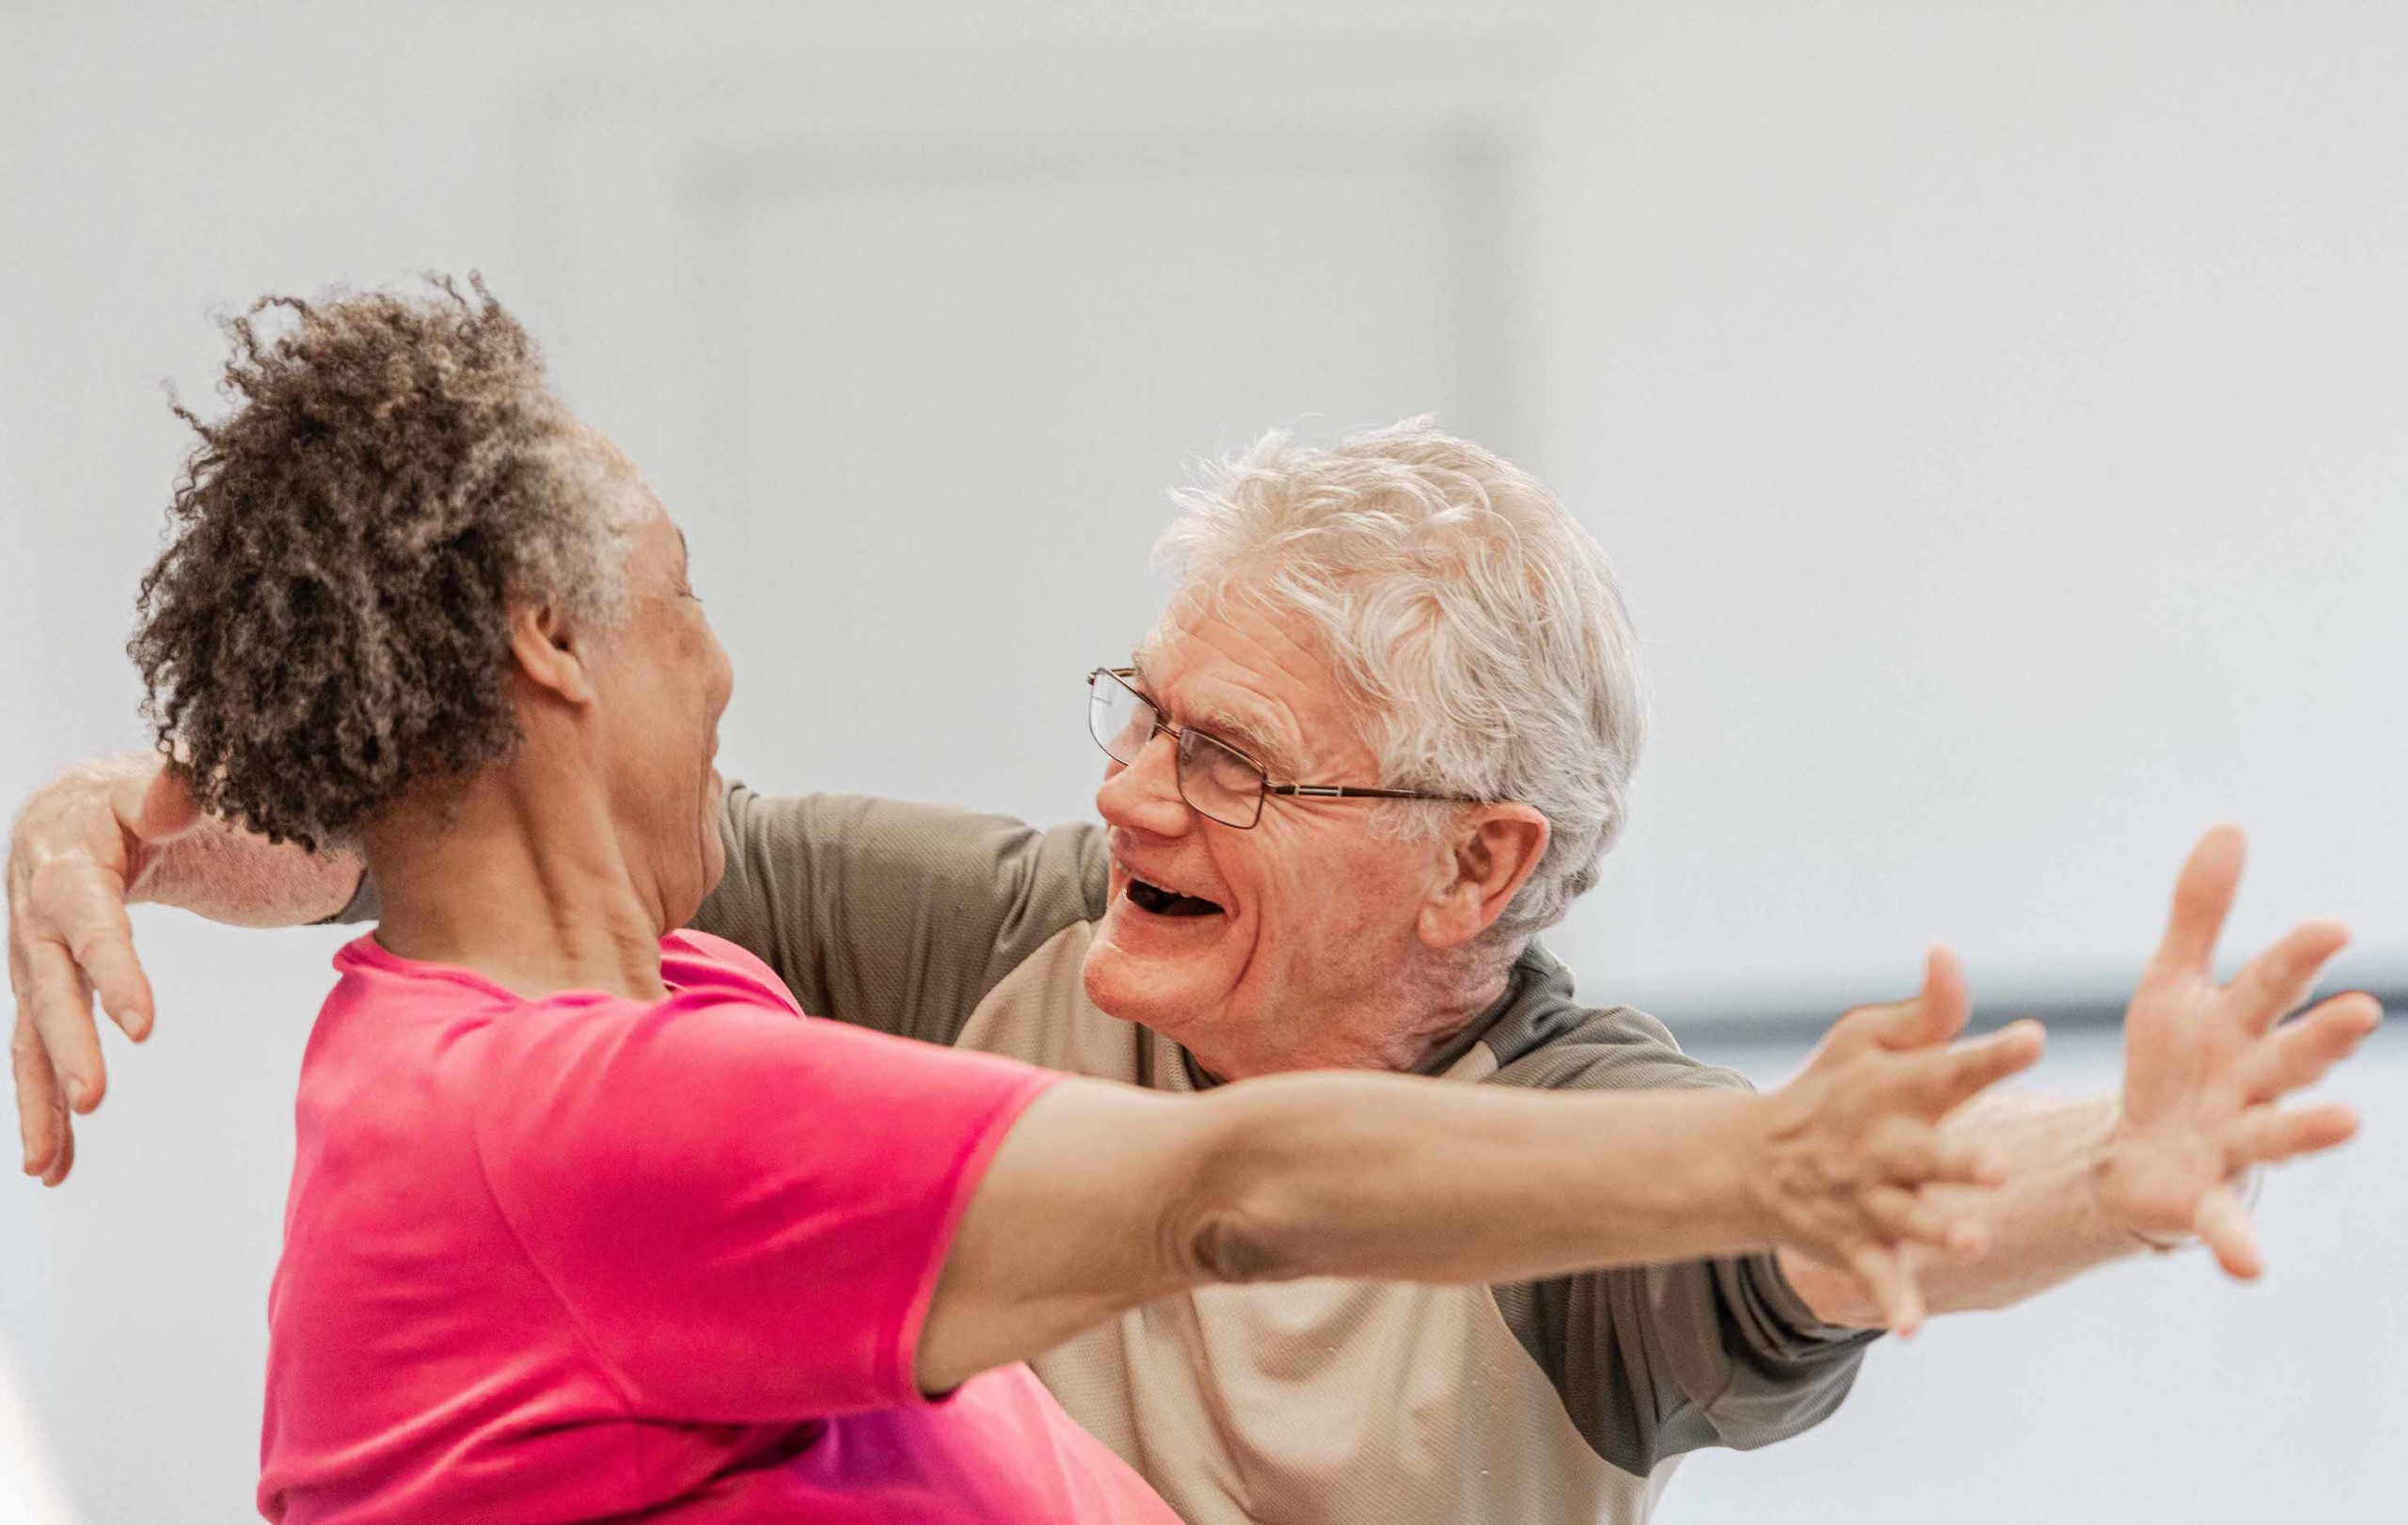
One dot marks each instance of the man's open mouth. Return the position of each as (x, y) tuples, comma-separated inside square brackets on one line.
[(1162, 902)]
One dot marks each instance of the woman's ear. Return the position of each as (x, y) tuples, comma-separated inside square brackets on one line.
[(549, 651), (1488, 857)]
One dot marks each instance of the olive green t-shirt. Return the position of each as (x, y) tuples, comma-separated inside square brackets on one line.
[(1323, 1401)]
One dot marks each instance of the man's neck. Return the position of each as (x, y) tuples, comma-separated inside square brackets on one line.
[(519, 879), (1380, 1039)]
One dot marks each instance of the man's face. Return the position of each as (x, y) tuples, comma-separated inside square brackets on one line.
[(662, 682), (1289, 945)]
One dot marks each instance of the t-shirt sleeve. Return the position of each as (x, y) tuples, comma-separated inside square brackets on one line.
[(742, 1211), (1653, 1361), (896, 916)]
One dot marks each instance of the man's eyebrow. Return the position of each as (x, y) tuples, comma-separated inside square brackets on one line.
[(1248, 738), (1222, 724)]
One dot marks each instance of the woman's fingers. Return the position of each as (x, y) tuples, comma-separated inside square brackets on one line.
[(1937, 1014), (1892, 1288), (1932, 1016), (1950, 1079), (1965, 1164), (1904, 1216), (1916, 1155)]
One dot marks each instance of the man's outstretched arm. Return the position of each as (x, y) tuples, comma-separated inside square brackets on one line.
[(973, 895), (2207, 1068), (99, 837)]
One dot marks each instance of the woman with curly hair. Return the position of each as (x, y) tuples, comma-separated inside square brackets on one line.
[(587, 1219)]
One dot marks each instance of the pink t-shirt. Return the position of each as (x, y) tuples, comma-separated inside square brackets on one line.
[(585, 1258)]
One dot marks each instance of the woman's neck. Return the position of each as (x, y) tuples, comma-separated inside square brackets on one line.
[(521, 880)]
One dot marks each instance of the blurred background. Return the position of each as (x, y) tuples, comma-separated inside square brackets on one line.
[(1998, 415)]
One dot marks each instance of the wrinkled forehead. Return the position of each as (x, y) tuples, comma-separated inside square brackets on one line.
[(1255, 675)]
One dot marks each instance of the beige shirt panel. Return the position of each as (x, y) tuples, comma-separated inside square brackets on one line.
[(1319, 1403)]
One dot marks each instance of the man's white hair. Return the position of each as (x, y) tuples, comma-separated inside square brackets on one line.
[(1477, 622)]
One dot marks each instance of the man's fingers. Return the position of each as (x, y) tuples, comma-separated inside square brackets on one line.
[(82, 904), (2299, 1053), (2224, 1224), (1965, 1070), (62, 1010), (2274, 984), (124, 990), (2268, 1135), (159, 809), (2202, 897), (91, 919), (62, 1159), (38, 1110)]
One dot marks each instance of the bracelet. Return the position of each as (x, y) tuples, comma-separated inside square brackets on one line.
[(2252, 1185)]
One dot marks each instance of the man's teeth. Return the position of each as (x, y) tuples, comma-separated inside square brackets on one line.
[(1162, 902)]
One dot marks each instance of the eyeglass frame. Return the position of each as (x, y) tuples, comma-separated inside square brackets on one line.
[(1264, 789)]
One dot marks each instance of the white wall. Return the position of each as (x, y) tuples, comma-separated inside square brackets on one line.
[(1998, 414), (2151, 1392), (1995, 412)]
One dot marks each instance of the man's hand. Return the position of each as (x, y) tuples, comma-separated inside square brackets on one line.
[(81, 845), (2206, 1068)]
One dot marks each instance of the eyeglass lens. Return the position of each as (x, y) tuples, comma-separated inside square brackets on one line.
[(1219, 782)]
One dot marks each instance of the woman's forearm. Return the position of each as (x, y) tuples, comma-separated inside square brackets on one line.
[(1104, 1196), (1381, 1177)]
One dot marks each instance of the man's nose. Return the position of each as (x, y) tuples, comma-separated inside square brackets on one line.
[(1144, 795)]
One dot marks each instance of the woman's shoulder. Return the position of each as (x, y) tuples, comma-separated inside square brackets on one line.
[(698, 963)]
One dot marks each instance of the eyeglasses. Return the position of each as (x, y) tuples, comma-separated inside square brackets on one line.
[(1220, 782)]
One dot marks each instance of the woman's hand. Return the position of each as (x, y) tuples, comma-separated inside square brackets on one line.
[(1851, 1149)]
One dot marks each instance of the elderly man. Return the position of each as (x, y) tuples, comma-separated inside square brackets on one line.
[(1379, 739)]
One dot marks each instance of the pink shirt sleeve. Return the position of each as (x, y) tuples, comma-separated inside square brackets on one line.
[(744, 1211)]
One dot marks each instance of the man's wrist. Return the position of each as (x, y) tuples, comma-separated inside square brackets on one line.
[(2107, 1200)]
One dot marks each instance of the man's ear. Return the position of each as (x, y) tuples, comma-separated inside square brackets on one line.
[(550, 652), (1488, 856)]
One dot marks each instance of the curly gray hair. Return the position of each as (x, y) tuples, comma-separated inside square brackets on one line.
[(327, 628)]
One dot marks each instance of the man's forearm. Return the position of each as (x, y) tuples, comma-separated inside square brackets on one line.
[(221, 871), (2045, 1225), (230, 875)]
